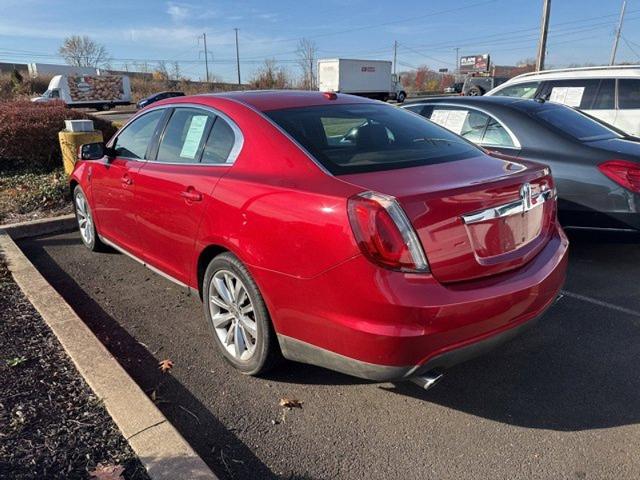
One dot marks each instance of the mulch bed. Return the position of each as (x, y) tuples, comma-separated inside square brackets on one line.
[(52, 426)]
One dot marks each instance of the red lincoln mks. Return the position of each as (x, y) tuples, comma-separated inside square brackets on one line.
[(328, 229)]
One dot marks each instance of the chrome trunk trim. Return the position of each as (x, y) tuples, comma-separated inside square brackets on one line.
[(527, 202)]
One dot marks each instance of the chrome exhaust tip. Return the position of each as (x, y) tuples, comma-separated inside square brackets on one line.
[(427, 380)]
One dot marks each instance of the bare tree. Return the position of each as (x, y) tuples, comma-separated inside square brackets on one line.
[(270, 76), (82, 51), (175, 71), (307, 52), (161, 72)]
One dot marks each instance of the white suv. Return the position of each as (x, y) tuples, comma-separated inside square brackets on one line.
[(611, 94)]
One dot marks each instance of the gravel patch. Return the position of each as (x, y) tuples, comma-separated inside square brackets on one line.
[(52, 426)]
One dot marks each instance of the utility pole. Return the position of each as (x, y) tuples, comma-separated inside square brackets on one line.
[(544, 30), (238, 57), (457, 70), (311, 58), (618, 31), (206, 56), (395, 56)]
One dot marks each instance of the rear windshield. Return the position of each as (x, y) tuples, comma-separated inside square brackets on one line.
[(361, 138), (575, 124)]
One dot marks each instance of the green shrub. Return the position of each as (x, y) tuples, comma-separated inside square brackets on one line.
[(29, 134)]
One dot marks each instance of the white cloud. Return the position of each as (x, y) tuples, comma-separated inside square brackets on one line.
[(177, 12)]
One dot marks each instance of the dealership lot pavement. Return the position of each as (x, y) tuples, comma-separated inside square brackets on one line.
[(563, 401)]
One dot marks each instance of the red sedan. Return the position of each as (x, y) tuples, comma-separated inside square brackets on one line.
[(328, 229)]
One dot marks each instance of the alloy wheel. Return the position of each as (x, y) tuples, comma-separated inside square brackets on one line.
[(232, 315), (83, 214)]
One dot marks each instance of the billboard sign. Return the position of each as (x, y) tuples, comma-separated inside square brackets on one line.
[(474, 63)]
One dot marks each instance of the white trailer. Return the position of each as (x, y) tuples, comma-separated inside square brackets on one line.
[(88, 91), (367, 78), (50, 69)]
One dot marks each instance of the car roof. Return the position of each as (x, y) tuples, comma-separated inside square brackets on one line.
[(469, 100), (265, 100), (623, 71), (494, 103)]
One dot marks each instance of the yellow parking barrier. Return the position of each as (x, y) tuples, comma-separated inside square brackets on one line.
[(71, 141)]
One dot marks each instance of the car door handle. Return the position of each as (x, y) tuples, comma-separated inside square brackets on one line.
[(191, 195), (126, 180)]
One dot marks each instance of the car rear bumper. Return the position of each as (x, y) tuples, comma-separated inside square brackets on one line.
[(299, 351), (380, 325)]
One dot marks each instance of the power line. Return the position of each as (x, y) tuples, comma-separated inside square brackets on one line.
[(630, 47), (473, 40)]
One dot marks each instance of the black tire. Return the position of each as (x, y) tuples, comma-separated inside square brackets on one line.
[(401, 97), (475, 92), (90, 240), (267, 351)]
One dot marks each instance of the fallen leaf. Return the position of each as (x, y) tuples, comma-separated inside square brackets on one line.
[(14, 362), (165, 365), (290, 403), (107, 472)]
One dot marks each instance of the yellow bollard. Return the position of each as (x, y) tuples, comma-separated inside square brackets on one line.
[(71, 141)]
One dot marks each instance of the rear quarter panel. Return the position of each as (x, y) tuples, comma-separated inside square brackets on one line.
[(275, 209)]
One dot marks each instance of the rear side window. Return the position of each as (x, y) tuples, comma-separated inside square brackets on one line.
[(628, 93), (134, 140), (184, 136), (369, 137), (219, 143), (414, 108), (574, 124), (521, 90)]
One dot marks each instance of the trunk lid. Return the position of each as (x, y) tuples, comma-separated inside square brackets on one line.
[(475, 217)]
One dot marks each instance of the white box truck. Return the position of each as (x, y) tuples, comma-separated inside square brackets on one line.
[(50, 69), (101, 92), (367, 78)]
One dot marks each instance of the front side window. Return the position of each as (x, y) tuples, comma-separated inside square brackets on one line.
[(473, 125), (369, 137), (606, 97), (578, 93), (134, 140), (575, 124), (521, 90), (184, 136), (55, 93), (628, 93), (466, 123)]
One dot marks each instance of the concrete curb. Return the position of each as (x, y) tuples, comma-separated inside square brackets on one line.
[(44, 226), (160, 447)]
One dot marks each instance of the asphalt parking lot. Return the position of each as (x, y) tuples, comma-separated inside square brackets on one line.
[(562, 401)]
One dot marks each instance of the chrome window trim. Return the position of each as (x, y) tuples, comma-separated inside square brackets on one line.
[(237, 133), (282, 131), (516, 143), (514, 208)]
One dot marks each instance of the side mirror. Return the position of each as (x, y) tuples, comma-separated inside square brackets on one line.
[(95, 151)]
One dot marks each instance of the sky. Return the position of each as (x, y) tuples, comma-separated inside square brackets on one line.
[(427, 31)]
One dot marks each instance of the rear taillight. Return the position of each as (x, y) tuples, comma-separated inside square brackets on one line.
[(384, 232), (623, 172)]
